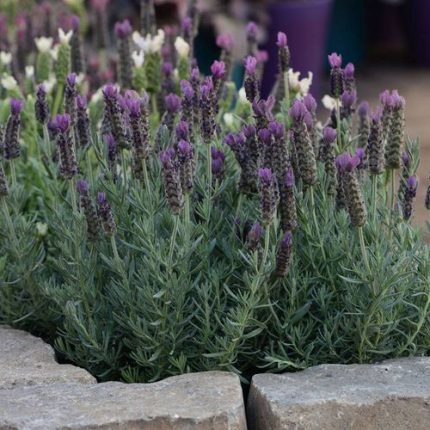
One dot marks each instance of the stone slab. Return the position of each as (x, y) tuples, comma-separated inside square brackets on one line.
[(28, 360), (392, 395), (203, 401)]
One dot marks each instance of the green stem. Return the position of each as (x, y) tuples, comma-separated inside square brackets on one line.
[(187, 216), (124, 169), (374, 179), (115, 249), (266, 249), (209, 167), (145, 174), (13, 173), (338, 126), (287, 89), (58, 99), (173, 240), (9, 223), (314, 216), (74, 200), (47, 141), (363, 248)]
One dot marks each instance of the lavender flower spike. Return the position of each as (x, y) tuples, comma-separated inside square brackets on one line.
[(41, 106), (68, 164), (337, 78), (82, 122), (186, 165), (86, 204), (408, 198), (253, 239), (283, 53), (283, 256), (267, 195), (11, 136), (172, 182), (104, 211), (123, 31), (251, 84), (346, 165), (218, 159)]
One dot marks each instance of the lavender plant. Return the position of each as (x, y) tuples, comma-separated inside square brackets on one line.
[(156, 228)]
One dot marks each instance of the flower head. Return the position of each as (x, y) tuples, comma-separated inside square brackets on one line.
[(16, 106), (298, 111), (329, 135), (182, 47), (335, 60), (310, 103), (123, 29), (173, 103), (289, 179), (363, 108), (218, 69), (282, 40), (349, 71), (64, 37), (250, 64), (266, 176), (225, 41), (251, 30), (62, 122), (82, 187), (44, 44), (347, 163), (187, 90)]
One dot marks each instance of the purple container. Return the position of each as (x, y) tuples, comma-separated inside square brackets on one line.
[(305, 23), (419, 30)]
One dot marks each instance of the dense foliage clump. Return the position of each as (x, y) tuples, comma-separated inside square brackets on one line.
[(173, 224)]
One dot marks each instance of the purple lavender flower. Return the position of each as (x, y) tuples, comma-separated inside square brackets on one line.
[(349, 73), (346, 165), (225, 42), (112, 155), (114, 115), (70, 94), (337, 79), (364, 124), (263, 111), (251, 83), (409, 196), (283, 256), (68, 164), (218, 70), (11, 146), (251, 36), (207, 117), (218, 160), (41, 106), (328, 157), (182, 130), (254, 236), (298, 111), (86, 204), (375, 146), (82, 122), (396, 133), (185, 154), (348, 100), (172, 181), (283, 53), (329, 135), (173, 103), (123, 29), (267, 194), (104, 211)]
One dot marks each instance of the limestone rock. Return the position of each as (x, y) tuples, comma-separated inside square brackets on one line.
[(203, 401), (393, 395), (28, 360)]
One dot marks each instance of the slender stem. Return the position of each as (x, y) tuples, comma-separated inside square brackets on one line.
[(209, 167), (393, 180), (338, 126), (374, 179), (74, 200), (154, 105), (58, 98), (115, 249), (187, 216), (238, 209), (314, 216), (266, 248), (124, 169), (173, 240), (363, 248), (9, 223), (145, 174), (13, 173), (287, 89), (47, 141)]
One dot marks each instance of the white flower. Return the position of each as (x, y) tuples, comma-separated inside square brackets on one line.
[(228, 119), (64, 37), (306, 83), (5, 58), (242, 95), (294, 80), (329, 102), (54, 52), (80, 78), (29, 72), (43, 44), (8, 82), (50, 83), (149, 44), (182, 47), (97, 96), (138, 58)]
